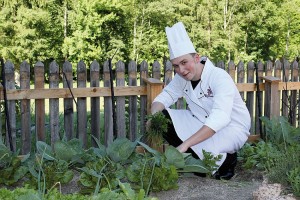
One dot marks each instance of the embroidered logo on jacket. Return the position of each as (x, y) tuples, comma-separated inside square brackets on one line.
[(209, 93)]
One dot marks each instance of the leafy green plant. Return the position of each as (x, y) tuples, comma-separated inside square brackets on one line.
[(209, 161), (293, 177), (157, 127), (11, 168), (279, 131), (150, 171), (277, 155)]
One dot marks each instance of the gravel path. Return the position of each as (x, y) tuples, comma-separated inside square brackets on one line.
[(193, 188)]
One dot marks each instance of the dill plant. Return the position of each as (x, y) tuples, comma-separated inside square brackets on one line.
[(157, 127)]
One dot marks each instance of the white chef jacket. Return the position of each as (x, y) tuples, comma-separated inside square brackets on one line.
[(216, 103)]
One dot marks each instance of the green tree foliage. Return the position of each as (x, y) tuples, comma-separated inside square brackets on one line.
[(135, 29)]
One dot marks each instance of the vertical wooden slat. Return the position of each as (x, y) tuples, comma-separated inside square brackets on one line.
[(295, 78), (25, 109), (241, 76), (278, 69), (120, 101), (156, 69), (168, 72), (81, 105), (9, 71), (54, 103), (250, 95), (68, 102), (108, 118), (285, 92), (259, 103), (231, 70), (143, 101), (95, 102), (221, 65), (39, 82), (132, 102), (269, 68)]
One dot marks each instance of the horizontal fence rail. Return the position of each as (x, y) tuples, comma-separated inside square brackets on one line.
[(135, 86)]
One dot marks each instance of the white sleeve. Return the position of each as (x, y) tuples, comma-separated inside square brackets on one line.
[(171, 92)]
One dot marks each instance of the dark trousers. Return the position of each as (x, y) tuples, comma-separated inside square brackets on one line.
[(172, 138)]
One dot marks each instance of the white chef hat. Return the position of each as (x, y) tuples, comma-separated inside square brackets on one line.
[(178, 41)]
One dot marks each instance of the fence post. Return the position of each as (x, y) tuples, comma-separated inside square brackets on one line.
[(154, 87), (272, 108)]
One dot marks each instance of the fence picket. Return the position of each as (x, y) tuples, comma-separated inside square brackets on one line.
[(9, 70), (81, 105), (95, 102), (39, 82), (285, 93), (293, 104), (241, 76), (25, 109), (259, 101), (68, 102), (156, 70), (143, 98), (269, 68), (108, 118), (54, 103), (250, 95), (120, 101), (231, 70), (132, 73)]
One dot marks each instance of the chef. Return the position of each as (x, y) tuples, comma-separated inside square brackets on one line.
[(216, 119)]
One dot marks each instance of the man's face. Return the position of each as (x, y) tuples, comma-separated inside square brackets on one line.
[(185, 66)]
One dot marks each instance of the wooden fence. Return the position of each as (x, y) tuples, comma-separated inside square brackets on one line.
[(134, 89)]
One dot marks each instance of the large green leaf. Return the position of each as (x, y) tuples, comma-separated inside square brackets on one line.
[(65, 151), (20, 173), (45, 150), (157, 155), (194, 165), (120, 149), (174, 157), (67, 177)]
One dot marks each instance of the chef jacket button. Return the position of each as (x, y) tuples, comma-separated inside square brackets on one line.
[(200, 92), (186, 90), (193, 115), (205, 116)]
